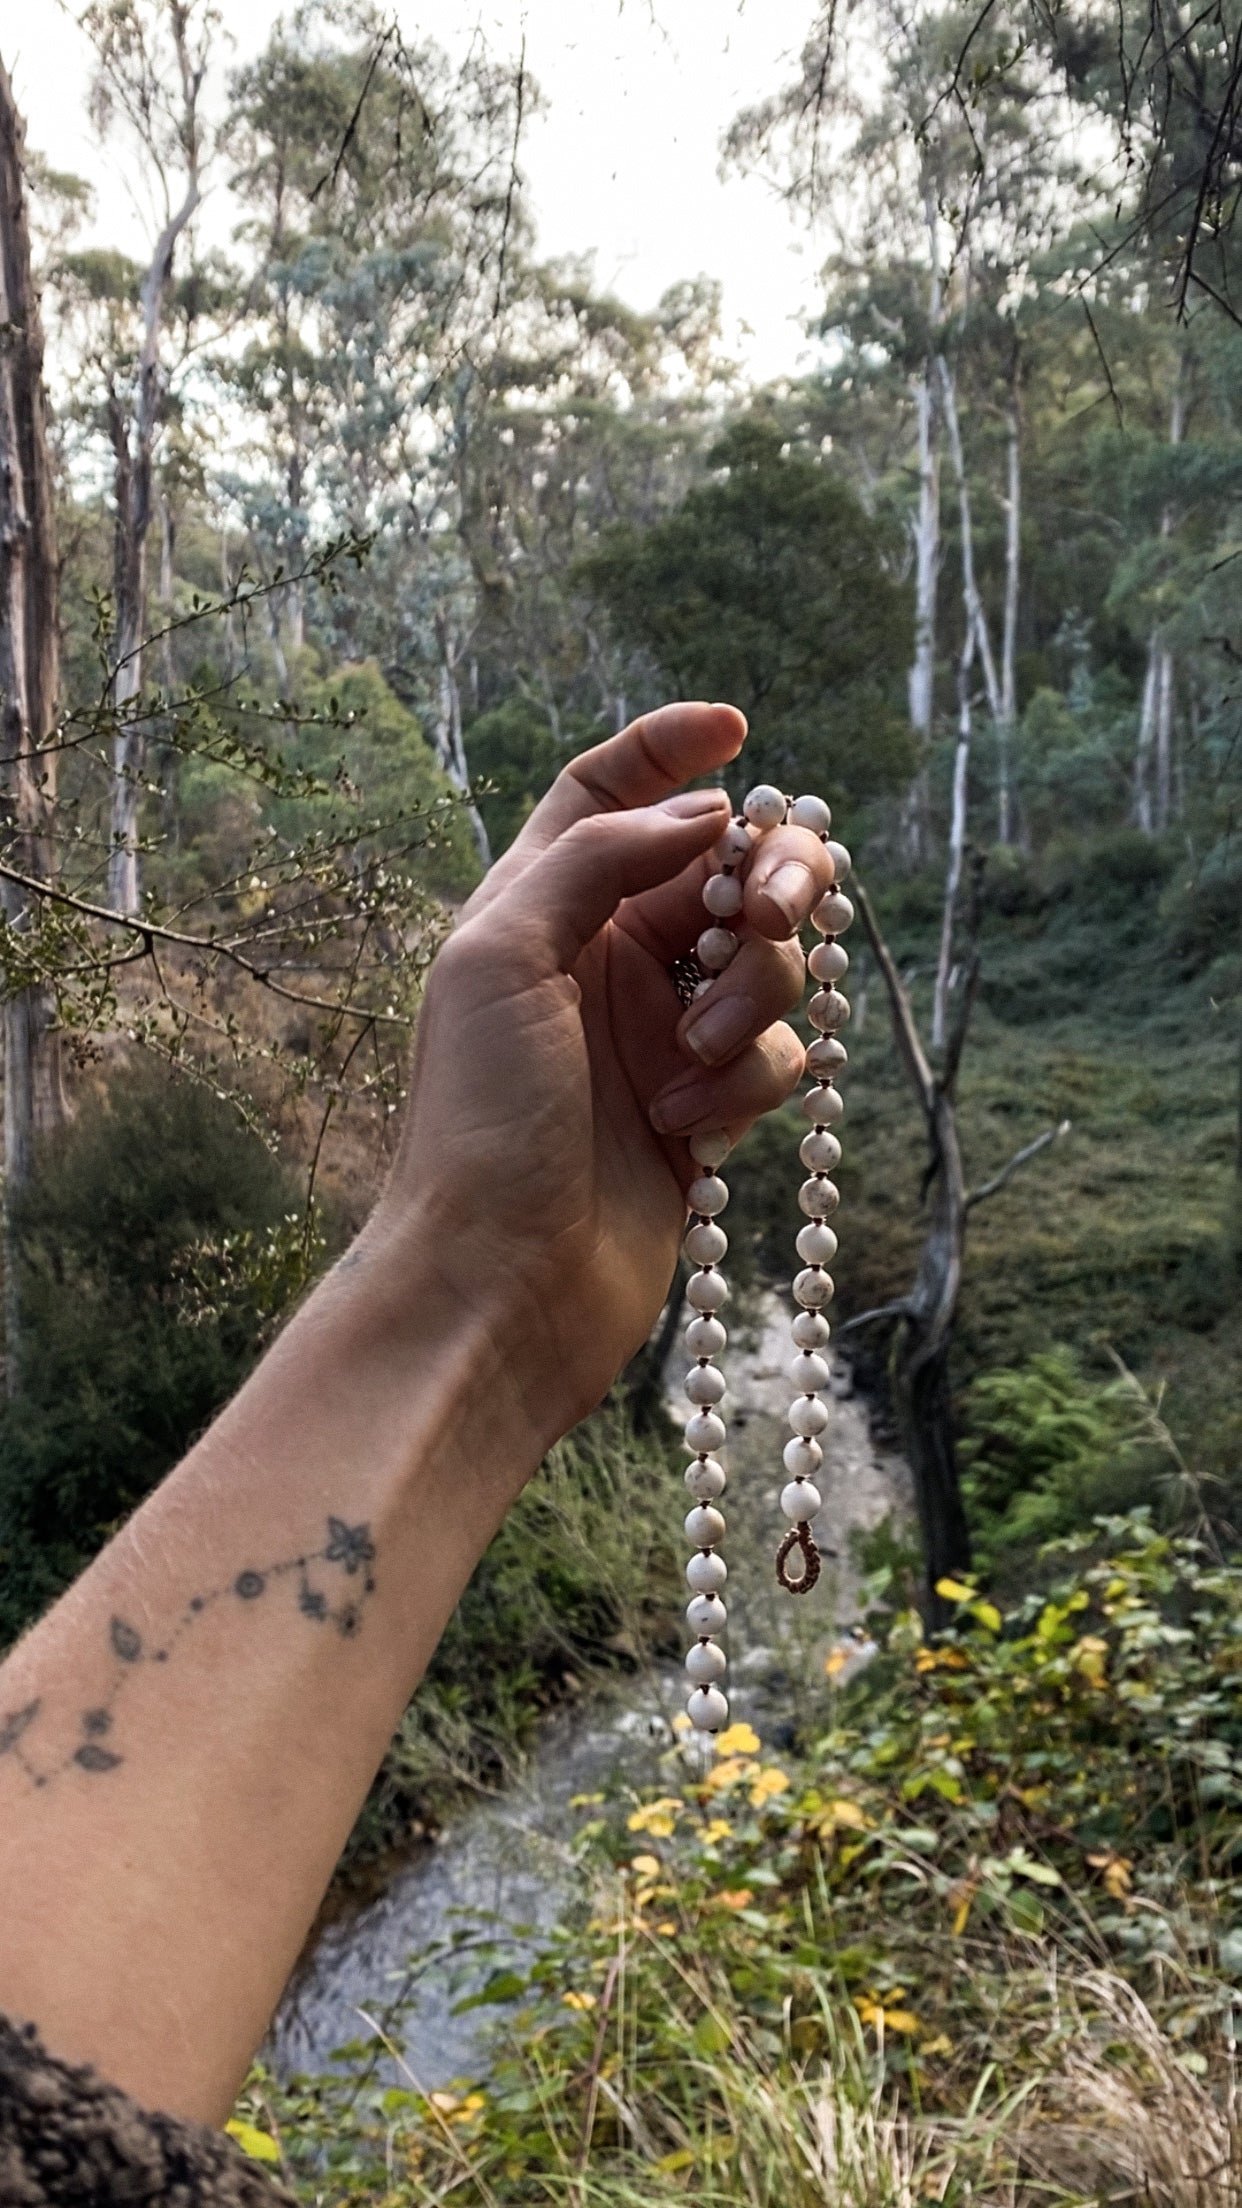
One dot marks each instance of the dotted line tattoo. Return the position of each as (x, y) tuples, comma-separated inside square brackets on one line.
[(348, 1550)]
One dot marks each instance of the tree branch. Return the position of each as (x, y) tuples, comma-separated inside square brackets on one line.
[(1017, 1161), (898, 1310), (913, 1055)]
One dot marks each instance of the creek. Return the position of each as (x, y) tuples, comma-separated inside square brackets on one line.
[(481, 1897)]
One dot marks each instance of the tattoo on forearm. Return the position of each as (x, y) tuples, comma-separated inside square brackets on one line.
[(337, 1599)]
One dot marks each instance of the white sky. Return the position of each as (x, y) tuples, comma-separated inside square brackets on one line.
[(623, 161)]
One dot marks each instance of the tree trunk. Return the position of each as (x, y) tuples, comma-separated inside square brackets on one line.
[(1009, 633), (1144, 810), (922, 677), (1153, 757), (970, 586), (450, 744), (133, 446), (957, 840), (34, 1101)]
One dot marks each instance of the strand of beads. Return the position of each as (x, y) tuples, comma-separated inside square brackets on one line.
[(818, 1197), (706, 1290)]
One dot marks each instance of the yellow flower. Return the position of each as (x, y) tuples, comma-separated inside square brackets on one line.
[(657, 1818), (738, 1740), (724, 1774), (841, 1815), (666, 1930), (873, 2010), (765, 1784), (573, 2000), (739, 1898), (836, 1660), (716, 1830)]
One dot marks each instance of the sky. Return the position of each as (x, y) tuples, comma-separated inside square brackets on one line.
[(623, 162)]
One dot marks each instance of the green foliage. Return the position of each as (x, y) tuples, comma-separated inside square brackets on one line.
[(1044, 1450), (917, 1905), (155, 1255), (513, 748), (771, 586)]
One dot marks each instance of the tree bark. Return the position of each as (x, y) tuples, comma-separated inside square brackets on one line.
[(922, 675), (957, 840), (34, 1102), (1153, 755)]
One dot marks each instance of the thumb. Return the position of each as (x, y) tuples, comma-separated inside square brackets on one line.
[(561, 901)]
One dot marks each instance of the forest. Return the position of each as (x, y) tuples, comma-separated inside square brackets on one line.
[(329, 532)]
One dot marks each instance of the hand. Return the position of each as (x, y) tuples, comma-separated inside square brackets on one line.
[(556, 1080)]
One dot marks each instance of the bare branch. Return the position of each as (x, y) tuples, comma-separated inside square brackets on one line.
[(1017, 1161), (913, 1055), (898, 1310)]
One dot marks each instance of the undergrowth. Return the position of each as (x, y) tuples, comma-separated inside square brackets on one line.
[(986, 1933)]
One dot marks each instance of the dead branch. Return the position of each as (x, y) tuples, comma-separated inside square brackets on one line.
[(913, 1054), (1017, 1161)]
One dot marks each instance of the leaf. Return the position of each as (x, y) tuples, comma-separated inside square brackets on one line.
[(953, 1590), (259, 2145), (987, 1614), (91, 1757), (680, 2159), (15, 1725), (126, 1643), (503, 1985), (711, 2037)]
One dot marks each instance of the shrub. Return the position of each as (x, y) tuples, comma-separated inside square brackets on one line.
[(1044, 1449), (125, 1354)]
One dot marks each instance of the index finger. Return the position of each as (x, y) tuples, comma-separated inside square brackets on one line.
[(650, 759)]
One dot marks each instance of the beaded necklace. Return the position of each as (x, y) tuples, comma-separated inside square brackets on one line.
[(706, 1243)]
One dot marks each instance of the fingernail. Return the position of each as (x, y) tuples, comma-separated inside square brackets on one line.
[(692, 803), (679, 1107), (714, 1031), (792, 890)]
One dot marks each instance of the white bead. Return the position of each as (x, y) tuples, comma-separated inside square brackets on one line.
[(800, 1500), (707, 1291), (705, 1431), (819, 1151), (828, 961), (811, 1288), (841, 860), (816, 1243), (700, 988), (710, 1150), (833, 914), (807, 1371), (706, 1614), (812, 813), (705, 1244), (708, 1709), (708, 1194), (705, 1337), (811, 1330), (802, 1457), (827, 1010), (819, 1196), (825, 1056), (706, 1575), (823, 1105), (764, 806), (704, 1384), (808, 1416), (705, 1479), (722, 895), (705, 1663), (704, 1526), (734, 845), (715, 948)]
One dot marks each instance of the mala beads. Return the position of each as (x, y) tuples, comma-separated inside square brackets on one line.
[(706, 1243)]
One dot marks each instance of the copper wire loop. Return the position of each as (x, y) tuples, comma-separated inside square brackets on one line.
[(798, 1537)]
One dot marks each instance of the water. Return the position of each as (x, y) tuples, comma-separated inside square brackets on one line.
[(508, 1859)]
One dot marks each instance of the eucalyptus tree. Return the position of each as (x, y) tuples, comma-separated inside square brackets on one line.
[(151, 62)]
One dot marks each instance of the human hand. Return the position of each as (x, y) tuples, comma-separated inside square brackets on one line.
[(556, 1079)]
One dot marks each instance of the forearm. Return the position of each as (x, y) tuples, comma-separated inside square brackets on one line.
[(188, 1736)]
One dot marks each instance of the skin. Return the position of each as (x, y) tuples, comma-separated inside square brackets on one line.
[(517, 1259)]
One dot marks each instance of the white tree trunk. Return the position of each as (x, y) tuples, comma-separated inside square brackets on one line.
[(1144, 810), (450, 742), (970, 588), (1153, 756), (922, 677), (1009, 634), (957, 839)]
